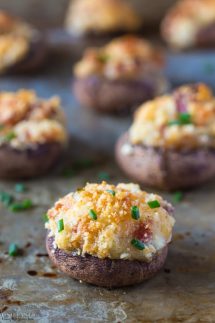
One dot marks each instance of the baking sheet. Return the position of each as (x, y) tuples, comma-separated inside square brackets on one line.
[(191, 66), (31, 288)]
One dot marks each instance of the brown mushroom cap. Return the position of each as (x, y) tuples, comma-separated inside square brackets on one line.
[(166, 168), (105, 272), (34, 59), (110, 96), (16, 163)]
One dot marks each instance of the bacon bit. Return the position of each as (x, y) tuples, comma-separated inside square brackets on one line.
[(192, 93), (143, 233)]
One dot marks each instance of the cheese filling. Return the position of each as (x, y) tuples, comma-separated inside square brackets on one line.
[(26, 120), (117, 222), (126, 57), (185, 119), (100, 16), (183, 22)]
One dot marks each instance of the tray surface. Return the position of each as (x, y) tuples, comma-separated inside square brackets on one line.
[(32, 289)]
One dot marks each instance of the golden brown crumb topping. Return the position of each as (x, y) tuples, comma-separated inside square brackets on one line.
[(26, 120), (125, 57), (111, 221), (85, 16), (184, 119), (15, 38), (183, 22)]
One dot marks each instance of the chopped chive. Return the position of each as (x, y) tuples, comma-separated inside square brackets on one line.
[(21, 206), (93, 214), (138, 244), (83, 163), (60, 225), (178, 196), (103, 176), (153, 204), (9, 136), (13, 250), (135, 213), (20, 188), (45, 218), (68, 172), (6, 198), (111, 192), (27, 204), (185, 118), (173, 123), (103, 58)]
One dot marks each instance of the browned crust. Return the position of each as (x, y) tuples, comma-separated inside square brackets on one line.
[(109, 96), (15, 164), (167, 169), (34, 59), (205, 36), (105, 272)]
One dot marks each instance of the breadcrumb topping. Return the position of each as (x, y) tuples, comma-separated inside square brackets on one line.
[(126, 57), (184, 119), (26, 120), (185, 19), (85, 16), (103, 224)]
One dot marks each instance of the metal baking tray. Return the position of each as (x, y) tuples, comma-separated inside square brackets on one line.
[(31, 288)]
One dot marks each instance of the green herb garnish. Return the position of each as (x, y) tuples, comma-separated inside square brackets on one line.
[(60, 225), (138, 244), (13, 250), (45, 218), (21, 206), (93, 214), (174, 123), (185, 118), (1, 126), (83, 164), (178, 196), (68, 172), (20, 188), (111, 192), (103, 58), (6, 198), (135, 213), (153, 204), (10, 136), (103, 176)]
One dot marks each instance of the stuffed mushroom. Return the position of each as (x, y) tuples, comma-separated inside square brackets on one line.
[(32, 134), (171, 143), (109, 235), (190, 23), (96, 17), (119, 76), (22, 47)]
